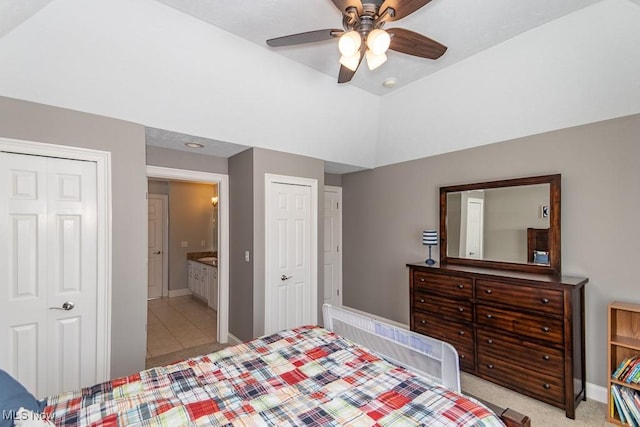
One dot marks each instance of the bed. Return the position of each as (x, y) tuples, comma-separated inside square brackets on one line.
[(309, 376)]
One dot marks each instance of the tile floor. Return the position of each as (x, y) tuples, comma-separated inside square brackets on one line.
[(174, 324)]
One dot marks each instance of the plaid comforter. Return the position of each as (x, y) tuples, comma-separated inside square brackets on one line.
[(300, 377)]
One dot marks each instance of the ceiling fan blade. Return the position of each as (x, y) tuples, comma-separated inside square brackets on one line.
[(415, 44), (308, 37), (402, 8), (345, 75), (343, 5)]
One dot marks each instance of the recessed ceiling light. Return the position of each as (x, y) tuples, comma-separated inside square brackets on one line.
[(194, 145), (389, 83)]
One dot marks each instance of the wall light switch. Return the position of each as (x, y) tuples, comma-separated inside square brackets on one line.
[(184, 244), (203, 243), (246, 256)]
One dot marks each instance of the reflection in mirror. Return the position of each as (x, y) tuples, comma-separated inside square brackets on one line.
[(512, 224), (493, 223)]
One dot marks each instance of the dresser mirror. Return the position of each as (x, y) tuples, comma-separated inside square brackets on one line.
[(510, 224)]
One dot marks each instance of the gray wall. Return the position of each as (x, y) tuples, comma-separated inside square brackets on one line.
[(333, 179), (385, 210), (158, 187), (241, 239), (187, 160), (247, 192), (125, 141)]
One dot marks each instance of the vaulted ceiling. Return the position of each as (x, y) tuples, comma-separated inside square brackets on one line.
[(200, 68)]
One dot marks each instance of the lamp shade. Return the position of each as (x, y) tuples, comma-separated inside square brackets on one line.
[(375, 60), (378, 41), (351, 62), (349, 43), (430, 237)]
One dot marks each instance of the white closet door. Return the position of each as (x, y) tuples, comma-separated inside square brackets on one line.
[(332, 245), (289, 295), (48, 260)]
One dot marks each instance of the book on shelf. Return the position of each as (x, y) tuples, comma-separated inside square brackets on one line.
[(622, 366), (627, 403), (634, 373), (628, 396), (628, 369)]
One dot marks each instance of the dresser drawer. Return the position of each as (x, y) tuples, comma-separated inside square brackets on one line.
[(458, 309), (455, 333), (527, 297), (459, 287), (533, 326), (532, 383), (519, 352), (466, 357)]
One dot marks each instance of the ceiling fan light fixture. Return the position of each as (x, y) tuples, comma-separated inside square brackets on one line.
[(378, 41), (375, 60), (351, 62), (349, 43)]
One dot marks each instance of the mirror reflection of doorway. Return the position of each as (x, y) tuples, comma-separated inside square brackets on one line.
[(475, 224)]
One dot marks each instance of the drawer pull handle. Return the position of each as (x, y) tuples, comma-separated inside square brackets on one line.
[(460, 286), (462, 356), (545, 300), (488, 291), (489, 341), (424, 322), (545, 329), (460, 309), (490, 366), (422, 279), (421, 299), (546, 357), (460, 332), (489, 316), (546, 386)]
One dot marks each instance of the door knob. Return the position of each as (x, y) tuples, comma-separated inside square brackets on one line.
[(283, 277), (68, 305)]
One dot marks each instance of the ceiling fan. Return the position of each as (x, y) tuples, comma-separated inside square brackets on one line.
[(364, 36)]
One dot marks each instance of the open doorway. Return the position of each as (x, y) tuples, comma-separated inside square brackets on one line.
[(191, 313), (182, 266)]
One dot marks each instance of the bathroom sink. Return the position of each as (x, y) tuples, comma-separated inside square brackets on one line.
[(211, 260)]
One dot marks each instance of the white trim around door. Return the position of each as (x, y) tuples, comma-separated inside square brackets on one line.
[(223, 248), (312, 245), (102, 160)]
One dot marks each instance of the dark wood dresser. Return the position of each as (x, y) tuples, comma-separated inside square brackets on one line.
[(523, 331)]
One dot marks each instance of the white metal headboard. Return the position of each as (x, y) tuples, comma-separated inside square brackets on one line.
[(432, 358)]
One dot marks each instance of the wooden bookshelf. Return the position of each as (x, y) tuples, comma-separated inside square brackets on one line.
[(623, 342)]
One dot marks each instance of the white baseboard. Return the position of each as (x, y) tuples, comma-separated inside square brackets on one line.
[(179, 292), (233, 340), (597, 393)]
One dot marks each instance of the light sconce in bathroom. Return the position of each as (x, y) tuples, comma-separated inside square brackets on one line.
[(214, 201)]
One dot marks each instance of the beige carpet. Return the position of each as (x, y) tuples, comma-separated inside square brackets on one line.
[(588, 413), (166, 359)]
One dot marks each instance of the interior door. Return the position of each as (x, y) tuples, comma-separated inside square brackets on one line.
[(48, 252), (155, 256), (290, 297), (333, 245), (475, 224)]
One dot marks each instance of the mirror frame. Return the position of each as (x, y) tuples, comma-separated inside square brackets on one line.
[(554, 266)]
